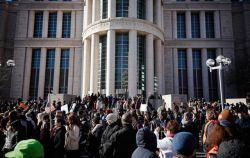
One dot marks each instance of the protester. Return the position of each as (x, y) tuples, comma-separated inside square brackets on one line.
[(72, 137), (184, 145), (233, 148), (123, 142), (165, 144), (146, 144), (58, 139), (112, 127)]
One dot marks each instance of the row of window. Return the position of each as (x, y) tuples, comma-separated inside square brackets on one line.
[(122, 8), (121, 62), (49, 72), (197, 73), (195, 25), (191, 0), (53, 0), (52, 25)]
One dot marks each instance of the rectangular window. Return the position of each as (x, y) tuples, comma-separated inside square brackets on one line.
[(64, 71), (35, 69), (102, 64), (181, 25), (182, 71), (141, 9), (52, 25), (38, 25), (104, 9), (210, 25), (66, 27), (212, 77), (195, 24), (197, 73), (49, 72), (122, 8), (121, 61), (141, 64)]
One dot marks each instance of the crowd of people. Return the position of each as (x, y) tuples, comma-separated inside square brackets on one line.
[(110, 127)]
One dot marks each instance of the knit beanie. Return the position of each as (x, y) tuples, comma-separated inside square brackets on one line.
[(111, 118), (184, 143)]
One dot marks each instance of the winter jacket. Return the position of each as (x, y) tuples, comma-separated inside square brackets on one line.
[(58, 139), (121, 144), (147, 144), (110, 129), (72, 138), (94, 140)]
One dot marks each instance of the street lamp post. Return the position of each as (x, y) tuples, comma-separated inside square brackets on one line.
[(11, 63), (222, 62)]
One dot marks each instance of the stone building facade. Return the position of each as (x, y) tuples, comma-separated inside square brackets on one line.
[(123, 46), (241, 25)]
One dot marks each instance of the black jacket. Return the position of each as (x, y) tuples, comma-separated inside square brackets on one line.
[(110, 129), (147, 144), (121, 144)]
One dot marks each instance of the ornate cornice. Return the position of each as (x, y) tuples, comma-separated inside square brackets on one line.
[(123, 24)]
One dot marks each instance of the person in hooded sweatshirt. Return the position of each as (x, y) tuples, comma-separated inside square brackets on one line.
[(146, 144)]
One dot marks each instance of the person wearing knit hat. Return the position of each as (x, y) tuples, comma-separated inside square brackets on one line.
[(184, 145), (122, 143), (29, 148), (111, 118)]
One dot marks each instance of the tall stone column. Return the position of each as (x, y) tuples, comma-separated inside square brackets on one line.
[(205, 83), (85, 15), (149, 64), (158, 12), (176, 75), (94, 10), (188, 24), (190, 73), (86, 67), (149, 10), (31, 23), (71, 70), (27, 73), (174, 21), (73, 24), (132, 9), (57, 71), (217, 24), (159, 65), (59, 24), (110, 76), (45, 23), (93, 64), (111, 9), (89, 10), (202, 24), (132, 64), (77, 68), (42, 73)]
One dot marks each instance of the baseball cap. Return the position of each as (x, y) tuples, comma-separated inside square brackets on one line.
[(29, 148)]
